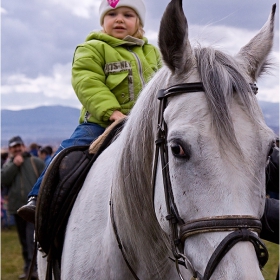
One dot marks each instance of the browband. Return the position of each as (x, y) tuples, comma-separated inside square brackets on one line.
[(190, 87)]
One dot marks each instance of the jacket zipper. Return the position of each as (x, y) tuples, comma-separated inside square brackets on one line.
[(139, 67)]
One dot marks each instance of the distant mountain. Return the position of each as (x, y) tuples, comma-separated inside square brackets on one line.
[(49, 125)]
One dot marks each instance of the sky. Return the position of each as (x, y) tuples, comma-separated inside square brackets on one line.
[(38, 39)]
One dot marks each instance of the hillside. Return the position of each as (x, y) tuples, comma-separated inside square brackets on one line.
[(52, 124), (43, 125)]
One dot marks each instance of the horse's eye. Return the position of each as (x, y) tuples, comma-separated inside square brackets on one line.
[(178, 151)]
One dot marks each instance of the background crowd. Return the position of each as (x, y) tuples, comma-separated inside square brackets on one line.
[(20, 168), (44, 153)]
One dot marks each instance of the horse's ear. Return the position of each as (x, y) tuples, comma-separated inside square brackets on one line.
[(173, 38), (254, 55)]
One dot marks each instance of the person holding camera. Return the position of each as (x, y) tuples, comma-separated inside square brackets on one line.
[(18, 174)]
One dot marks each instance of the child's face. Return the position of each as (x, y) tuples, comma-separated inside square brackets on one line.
[(120, 22)]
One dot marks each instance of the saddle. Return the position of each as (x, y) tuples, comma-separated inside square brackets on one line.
[(58, 192)]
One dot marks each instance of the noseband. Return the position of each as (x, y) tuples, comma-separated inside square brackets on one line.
[(241, 226)]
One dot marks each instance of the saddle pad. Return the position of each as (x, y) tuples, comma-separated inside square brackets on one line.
[(59, 189), (60, 180), (96, 144)]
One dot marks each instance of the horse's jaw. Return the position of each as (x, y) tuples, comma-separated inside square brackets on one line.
[(238, 264)]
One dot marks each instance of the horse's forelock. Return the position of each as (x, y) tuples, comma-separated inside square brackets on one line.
[(222, 78)]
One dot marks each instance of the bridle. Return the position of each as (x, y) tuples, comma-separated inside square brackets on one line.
[(242, 226)]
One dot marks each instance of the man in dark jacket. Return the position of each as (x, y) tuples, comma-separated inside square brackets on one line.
[(19, 173), (270, 219), (272, 174)]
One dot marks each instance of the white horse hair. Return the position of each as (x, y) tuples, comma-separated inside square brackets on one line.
[(224, 134)]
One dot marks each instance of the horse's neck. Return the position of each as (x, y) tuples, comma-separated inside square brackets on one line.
[(136, 223)]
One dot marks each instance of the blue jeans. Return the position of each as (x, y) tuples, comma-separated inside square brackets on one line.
[(84, 134)]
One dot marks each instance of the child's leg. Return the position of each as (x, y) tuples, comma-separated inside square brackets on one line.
[(84, 134)]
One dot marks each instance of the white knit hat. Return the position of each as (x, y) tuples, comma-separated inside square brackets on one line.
[(137, 5)]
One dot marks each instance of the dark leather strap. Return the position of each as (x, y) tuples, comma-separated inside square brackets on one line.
[(228, 242), (219, 223), (241, 225), (190, 87), (33, 262), (119, 241), (173, 216), (180, 88)]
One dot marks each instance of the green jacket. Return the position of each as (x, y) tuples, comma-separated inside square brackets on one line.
[(108, 74), (20, 180)]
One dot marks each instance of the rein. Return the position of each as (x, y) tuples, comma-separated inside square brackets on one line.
[(119, 240)]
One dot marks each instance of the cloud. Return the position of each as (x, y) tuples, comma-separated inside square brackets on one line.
[(3, 11), (81, 8), (42, 90), (39, 39), (228, 39), (56, 88), (231, 40)]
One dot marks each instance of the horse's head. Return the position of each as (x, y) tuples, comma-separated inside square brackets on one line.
[(218, 143)]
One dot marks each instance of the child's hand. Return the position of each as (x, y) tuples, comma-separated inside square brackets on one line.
[(116, 116)]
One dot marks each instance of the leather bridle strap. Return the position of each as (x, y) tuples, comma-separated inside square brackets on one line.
[(242, 227), (228, 242), (219, 223), (119, 240), (180, 88), (173, 216)]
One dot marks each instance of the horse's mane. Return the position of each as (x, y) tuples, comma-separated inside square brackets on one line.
[(133, 190), (134, 176)]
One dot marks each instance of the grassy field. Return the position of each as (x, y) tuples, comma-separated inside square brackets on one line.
[(11, 258), (12, 263)]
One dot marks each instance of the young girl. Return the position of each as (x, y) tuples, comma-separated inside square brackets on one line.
[(109, 70)]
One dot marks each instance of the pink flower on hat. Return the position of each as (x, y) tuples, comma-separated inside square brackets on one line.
[(137, 5), (113, 3)]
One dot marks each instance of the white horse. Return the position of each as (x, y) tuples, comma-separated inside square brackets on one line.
[(217, 149)]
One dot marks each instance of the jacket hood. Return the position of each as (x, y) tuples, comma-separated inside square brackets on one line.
[(112, 41)]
